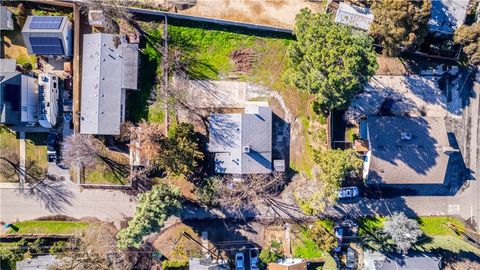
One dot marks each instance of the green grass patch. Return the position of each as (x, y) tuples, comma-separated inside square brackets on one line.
[(434, 226), (8, 144), (156, 113), (48, 227), (36, 149), (307, 249), (351, 134), (369, 224), (114, 173), (448, 243)]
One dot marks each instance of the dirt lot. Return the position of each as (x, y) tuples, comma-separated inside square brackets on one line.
[(269, 12)]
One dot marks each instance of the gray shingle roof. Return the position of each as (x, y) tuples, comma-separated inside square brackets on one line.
[(418, 160), (242, 143), (104, 79)]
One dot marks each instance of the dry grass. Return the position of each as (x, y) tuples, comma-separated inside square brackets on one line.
[(15, 48), (390, 66)]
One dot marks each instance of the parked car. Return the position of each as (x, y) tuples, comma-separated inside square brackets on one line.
[(52, 147), (348, 192), (239, 261), (254, 259), (351, 258)]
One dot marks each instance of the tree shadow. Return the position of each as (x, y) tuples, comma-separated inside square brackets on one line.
[(51, 192)]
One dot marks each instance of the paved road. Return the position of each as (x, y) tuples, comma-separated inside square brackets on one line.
[(66, 198)]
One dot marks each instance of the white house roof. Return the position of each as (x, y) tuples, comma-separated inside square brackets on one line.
[(355, 16)]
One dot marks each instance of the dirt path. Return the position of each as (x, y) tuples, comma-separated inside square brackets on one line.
[(268, 12)]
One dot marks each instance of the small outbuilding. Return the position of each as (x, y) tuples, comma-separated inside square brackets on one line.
[(48, 35)]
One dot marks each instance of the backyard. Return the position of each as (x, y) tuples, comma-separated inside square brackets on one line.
[(36, 150), (15, 48)]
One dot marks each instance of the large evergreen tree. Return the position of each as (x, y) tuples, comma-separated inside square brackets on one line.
[(153, 209), (400, 25), (329, 60), (469, 38)]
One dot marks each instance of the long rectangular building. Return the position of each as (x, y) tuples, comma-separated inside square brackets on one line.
[(109, 67)]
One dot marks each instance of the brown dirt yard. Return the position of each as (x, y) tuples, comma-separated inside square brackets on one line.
[(279, 13)]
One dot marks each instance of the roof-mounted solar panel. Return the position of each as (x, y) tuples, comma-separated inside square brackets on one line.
[(46, 22), (46, 45)]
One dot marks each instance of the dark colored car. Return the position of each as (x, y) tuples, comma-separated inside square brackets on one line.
[(52, 147)]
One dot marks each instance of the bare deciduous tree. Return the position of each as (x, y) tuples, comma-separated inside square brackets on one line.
[(82, 149), (111, 9), (149, 137), (252, 192), (96, 249)]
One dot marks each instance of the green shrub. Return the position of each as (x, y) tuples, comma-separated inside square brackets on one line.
[(174, 265), (271, 254), (206, 191)]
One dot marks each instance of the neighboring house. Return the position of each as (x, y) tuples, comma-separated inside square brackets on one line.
[(48, 35), (406, 150), (38, 263), (18, 95), (48, 94), (6, 20), (447, 15), (109, 67), (207, 264), (242, 142), (412, 261), (289, 264), (354, 16)]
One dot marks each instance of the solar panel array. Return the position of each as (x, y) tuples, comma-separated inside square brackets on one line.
[(46, 45), (46, 22)]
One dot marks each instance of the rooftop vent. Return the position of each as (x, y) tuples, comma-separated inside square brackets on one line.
[(246, 149), (406, 136)]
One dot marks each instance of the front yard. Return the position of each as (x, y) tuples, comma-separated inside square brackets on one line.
[(8, 144), (439, 235), (36, 150), (112, 171), (48, 227)]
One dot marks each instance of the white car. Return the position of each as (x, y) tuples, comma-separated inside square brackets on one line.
[(348, 192), (254, 259), (239, 261)]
